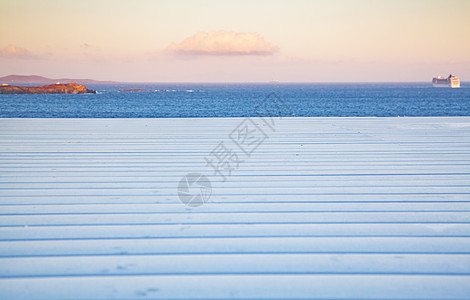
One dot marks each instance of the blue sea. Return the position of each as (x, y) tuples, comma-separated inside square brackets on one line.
[(188, 100)]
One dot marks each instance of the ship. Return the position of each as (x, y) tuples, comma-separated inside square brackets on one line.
[(450, 81)]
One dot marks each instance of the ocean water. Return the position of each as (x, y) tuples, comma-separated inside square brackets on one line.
[(241, 100)]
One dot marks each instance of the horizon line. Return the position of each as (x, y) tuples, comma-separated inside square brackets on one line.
[(231, 82)]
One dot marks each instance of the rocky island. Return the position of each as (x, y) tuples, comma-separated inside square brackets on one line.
[(135, 90), (58, 88)]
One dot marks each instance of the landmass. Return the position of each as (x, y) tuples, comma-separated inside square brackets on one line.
[(135, 90), (41, 79), (58, 88)]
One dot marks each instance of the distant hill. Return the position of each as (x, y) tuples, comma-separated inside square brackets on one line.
[(40, 79)]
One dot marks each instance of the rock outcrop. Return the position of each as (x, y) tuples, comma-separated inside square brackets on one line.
[(135, 90), (58, 88)]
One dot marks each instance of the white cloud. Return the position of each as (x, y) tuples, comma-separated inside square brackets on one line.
[(223, 43), (12, 51)]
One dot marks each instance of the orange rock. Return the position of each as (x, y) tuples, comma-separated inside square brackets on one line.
[(69, 88)]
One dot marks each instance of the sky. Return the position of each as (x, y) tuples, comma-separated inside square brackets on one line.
[(236, 41)]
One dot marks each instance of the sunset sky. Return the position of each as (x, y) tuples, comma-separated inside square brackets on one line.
[(236, 41)]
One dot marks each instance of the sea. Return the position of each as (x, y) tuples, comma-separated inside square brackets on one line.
[(208, 100)]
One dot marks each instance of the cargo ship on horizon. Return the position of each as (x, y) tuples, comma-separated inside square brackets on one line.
[(450, 81)]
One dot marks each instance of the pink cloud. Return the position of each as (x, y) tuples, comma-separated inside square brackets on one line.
[(12, 51), (223, 43)]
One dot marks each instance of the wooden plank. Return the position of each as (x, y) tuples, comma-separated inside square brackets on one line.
[(226, 264), (203, 245), (241, 287), (233, 230)]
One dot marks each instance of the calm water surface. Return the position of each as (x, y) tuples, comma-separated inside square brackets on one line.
[(240, 100)]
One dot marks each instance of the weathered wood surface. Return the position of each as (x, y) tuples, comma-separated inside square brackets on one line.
[(338, 208)]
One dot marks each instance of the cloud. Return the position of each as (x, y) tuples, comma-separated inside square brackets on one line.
[(12, 51), (223, 43)]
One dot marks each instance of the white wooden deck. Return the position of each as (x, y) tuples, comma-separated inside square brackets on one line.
[(331, 208)]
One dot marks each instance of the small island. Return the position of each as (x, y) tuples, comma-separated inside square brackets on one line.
[(58, 88), (135, 90)]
